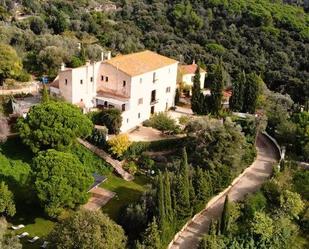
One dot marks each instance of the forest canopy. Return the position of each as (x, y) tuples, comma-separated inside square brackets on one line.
[(269, 38)]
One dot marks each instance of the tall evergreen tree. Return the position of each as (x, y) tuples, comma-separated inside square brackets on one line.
[(168, 199), (151, 238), (216, 87), (237, 98), (160, 198), (202, 188), (251, 92), (177, 97), (225, 217), (196, 98), (183, 190), (45, 95)]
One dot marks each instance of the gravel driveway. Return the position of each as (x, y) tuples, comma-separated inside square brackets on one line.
[(251, 181)]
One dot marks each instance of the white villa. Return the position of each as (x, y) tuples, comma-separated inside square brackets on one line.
[(186, 74), (138, 84)]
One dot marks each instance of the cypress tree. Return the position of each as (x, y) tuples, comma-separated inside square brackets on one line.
[(216, 88), (168, 199), (183, 195), (225, 217), (201, 186), (45, 95), (196, 97), (160, 199), (237, 98), (151, 238), (177, 96), (251, 92)]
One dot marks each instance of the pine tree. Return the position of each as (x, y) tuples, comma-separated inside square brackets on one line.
[(151, 238), (183, 184), (225, 217), (237, 98), (196, 98), (45, 95)]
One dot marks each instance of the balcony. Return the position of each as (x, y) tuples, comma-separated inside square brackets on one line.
[(154, 101), (106, 101)]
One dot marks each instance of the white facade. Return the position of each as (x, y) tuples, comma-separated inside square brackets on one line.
[(137, 93), (187, 79), (186, 75)]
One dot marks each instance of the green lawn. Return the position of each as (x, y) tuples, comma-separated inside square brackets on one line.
[(127, 192), (15, 161)]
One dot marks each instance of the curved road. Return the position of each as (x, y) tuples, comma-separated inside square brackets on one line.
[(252, 179)]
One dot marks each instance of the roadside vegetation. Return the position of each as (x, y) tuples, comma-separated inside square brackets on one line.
[(274, 217)]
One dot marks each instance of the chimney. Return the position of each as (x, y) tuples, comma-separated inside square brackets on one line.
[(62, 68), (193, 63), (102, 56), (109, 55)]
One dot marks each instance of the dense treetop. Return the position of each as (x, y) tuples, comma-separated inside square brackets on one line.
[(53, 125), (269, 38)]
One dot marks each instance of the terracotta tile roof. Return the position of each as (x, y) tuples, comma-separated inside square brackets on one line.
[(102, 93), (55, 83), (227, 93), (140, 63), (190, 69)]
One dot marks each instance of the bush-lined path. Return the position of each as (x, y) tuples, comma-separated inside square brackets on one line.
[(248, 182), (117, 165)]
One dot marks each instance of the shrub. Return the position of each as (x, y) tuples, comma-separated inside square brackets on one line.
[(98, 137), (112, 119), (23, 76), (131, 167), (183, 120), (119, 144), (146, 162), (164, 123), (255, 203), (136, 149)]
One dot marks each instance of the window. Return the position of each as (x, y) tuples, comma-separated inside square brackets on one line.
[(141, 80), (81, 82), (106, 79), (123, 107), (192, 78), (153, 96), (127, 120), (139, 115), (140, 101), (168, 89), (81, 100), (66, 81), (102, 77), (91, 79), (124, 83), (169, 70)]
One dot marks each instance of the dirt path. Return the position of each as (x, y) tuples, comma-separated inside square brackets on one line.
[(249, 182)]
